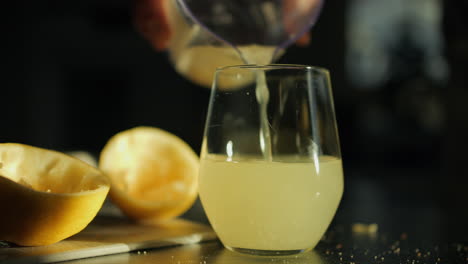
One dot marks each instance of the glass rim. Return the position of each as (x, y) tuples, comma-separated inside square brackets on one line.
[(274, 67)]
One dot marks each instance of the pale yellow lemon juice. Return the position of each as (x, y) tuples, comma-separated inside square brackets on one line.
[(265, 205), (198, 63)]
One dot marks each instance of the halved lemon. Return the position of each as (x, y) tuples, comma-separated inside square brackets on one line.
[(46, 196), (154, 174)]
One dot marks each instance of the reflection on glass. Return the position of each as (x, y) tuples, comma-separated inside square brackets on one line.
[(226, 256)]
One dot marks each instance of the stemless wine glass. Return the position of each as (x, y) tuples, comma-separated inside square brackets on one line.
[(270, 189)]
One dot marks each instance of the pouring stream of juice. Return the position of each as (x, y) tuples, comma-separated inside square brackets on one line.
[(265, 56)]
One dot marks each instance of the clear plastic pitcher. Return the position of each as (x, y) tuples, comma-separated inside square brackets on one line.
[(207, 34)]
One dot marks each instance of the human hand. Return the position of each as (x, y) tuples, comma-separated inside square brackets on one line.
[(150, 18), (296, 15)]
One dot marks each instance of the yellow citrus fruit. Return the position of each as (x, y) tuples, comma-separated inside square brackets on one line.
[(154, 174), (46, 196)]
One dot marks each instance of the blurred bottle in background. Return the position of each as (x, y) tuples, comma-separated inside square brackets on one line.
[(396, 67)]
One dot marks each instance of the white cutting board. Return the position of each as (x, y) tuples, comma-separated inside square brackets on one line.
[(111, 235)]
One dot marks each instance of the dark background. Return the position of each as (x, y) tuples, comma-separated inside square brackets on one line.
[(77, 72)]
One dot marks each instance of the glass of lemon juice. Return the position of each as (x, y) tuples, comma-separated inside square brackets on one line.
[(271, 175)]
